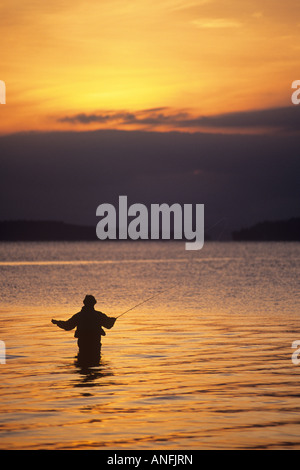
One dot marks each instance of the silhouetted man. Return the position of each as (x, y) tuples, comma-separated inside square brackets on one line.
[(89, 329)]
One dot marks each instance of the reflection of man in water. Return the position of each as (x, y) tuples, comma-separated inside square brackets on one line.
[(89, 330)]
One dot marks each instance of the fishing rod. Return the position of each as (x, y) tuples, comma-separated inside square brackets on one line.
[(144, 301)]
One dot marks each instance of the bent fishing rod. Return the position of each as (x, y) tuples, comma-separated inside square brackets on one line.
[(144, 301)]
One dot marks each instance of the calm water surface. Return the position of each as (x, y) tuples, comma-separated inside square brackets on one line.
[(207, 364)]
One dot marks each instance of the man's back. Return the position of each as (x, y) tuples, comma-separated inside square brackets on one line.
[(89, 323)]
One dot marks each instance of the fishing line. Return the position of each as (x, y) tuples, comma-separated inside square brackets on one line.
[(146, 300)]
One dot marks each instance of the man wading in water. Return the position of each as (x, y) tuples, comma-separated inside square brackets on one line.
[(89, 330)]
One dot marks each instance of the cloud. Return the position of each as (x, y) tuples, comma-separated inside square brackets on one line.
[(218, 23), (150, 118), (66, 175), (185, 5), (100, 118), (274, 119), (285, 119), (257, 14)]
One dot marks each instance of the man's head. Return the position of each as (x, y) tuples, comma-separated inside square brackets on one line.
[(89, 301)]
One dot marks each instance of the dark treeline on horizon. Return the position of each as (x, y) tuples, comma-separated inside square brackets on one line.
[(283, 230), (29, 230)]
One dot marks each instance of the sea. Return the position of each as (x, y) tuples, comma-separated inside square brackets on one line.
[(207, 360)]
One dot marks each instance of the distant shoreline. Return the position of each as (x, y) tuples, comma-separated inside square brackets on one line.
[(51, 231), (282, 230), (28, 230)]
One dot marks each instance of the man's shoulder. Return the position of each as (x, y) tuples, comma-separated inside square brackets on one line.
[(78, 314), (101, 314)]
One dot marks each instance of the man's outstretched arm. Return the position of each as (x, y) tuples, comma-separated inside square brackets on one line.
[(107, 322), (68, 324)]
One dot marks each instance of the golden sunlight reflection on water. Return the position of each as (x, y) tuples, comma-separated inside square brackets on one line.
[(205, 365)]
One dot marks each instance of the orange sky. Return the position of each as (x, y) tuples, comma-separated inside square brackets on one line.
[(62, 57)]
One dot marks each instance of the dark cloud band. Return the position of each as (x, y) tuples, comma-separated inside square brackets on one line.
[(285, 119)]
